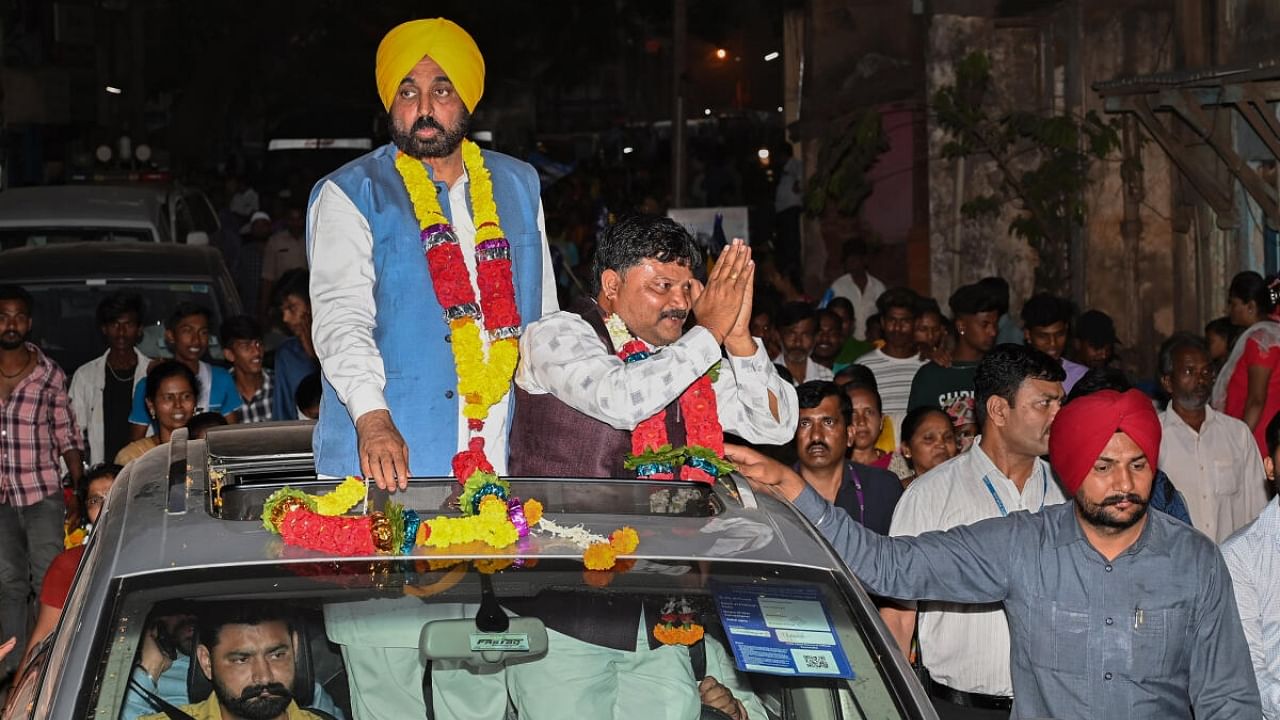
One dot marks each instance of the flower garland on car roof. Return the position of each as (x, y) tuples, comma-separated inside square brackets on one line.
[(490, 515), (652, 456), (483, 380)]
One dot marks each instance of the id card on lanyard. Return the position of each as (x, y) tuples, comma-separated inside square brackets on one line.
[(1044, 492)]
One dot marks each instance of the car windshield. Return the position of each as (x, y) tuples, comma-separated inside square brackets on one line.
[(64, 323), (14, 238), (504, 638)]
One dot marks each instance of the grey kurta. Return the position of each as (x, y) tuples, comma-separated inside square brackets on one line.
[(1153, 634)]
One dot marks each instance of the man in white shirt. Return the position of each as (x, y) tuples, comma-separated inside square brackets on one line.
[(571, 377), (1208, 455), (860, 287), (390, 383), (591, 381), (1253, 558), (965, 647), (797, 324), (896, 362), (102, 389)]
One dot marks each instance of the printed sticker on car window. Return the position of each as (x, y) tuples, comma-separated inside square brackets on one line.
[(781, 630)]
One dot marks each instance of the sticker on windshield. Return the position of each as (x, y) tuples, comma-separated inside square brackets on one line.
[(781, 630)]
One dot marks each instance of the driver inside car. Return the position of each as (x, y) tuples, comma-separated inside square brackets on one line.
[(164, 660), (246, 650)]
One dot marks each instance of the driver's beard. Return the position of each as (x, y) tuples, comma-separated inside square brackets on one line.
[(7, 344), (443, 145), (249, 706)]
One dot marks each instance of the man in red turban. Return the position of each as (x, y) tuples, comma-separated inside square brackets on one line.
[(1104, 448), (1113, 612)]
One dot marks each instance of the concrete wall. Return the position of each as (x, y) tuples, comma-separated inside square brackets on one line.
[(1131, 279), (964, 250)]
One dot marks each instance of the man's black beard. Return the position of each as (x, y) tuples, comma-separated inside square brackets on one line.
[(1095, 514), (443, 144), (7, 344), (251, 707)]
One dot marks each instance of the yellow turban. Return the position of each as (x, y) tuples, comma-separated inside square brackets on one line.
[(448, 45)]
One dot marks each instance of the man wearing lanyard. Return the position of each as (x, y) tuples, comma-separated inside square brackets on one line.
[(823, 438), (965, 648)]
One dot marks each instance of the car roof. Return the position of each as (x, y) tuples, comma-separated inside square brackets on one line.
[(81, 206), (159, 515), (78, 262)]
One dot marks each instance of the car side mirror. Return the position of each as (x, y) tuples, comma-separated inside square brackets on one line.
[(524, 638), (198, 237)]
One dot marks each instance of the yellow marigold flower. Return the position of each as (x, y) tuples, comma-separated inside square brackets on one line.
[(600, 556), (532, 511), (492, 504), (624, 540), (343, 498)]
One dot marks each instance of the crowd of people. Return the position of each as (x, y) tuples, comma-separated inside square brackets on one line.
[(84, 424), (1042, 540)]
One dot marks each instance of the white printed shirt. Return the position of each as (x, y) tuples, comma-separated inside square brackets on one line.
[(1253, 557), (562, 355)]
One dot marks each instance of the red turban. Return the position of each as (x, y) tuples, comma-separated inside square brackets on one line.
[(1084, 427)]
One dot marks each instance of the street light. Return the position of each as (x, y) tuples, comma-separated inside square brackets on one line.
[(628, 150), (114, 90), (721, 53), (772, 56)]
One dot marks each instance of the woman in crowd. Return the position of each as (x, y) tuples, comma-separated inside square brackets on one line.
[(929, 439), (1221, 336), (57, 580), (1248, 386), (868, 423), (171, 395)]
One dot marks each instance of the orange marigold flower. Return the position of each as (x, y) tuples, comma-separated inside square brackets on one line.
[(624, 540), (532, 511), (600, 556), (677, 634)]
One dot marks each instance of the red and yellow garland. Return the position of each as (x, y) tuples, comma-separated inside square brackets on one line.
[(652, 456), (483, 379)]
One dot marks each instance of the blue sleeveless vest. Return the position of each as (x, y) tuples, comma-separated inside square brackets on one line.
[(411, 333)]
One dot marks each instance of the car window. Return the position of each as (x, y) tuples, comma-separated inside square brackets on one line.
[(64, 322), (360, 629), (14, 238)]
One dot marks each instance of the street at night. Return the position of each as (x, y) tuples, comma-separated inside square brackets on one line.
[(693, 359)]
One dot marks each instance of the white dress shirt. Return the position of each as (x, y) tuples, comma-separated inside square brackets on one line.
[(864, 301), (562, 355), (86, 399), (812, 370), (1217, 470), (1253, 557), (966, 647), (344, 314)]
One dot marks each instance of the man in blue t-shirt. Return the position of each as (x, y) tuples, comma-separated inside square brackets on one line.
[(187, 334)]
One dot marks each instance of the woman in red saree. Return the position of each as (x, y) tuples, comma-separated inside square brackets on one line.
[(1248, 387)]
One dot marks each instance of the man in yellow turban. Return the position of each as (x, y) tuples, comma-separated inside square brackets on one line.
[(391, 404)]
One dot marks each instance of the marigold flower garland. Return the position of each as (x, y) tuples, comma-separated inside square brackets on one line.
[(490, 516), (482, 381), (652, 456)]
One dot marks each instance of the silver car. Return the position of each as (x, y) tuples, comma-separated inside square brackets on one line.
[(784, 624)]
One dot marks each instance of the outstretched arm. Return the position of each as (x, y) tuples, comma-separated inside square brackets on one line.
[(968, 564)]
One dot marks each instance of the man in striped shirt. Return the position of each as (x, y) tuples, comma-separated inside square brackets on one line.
[(37, 428), (895, 364)]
